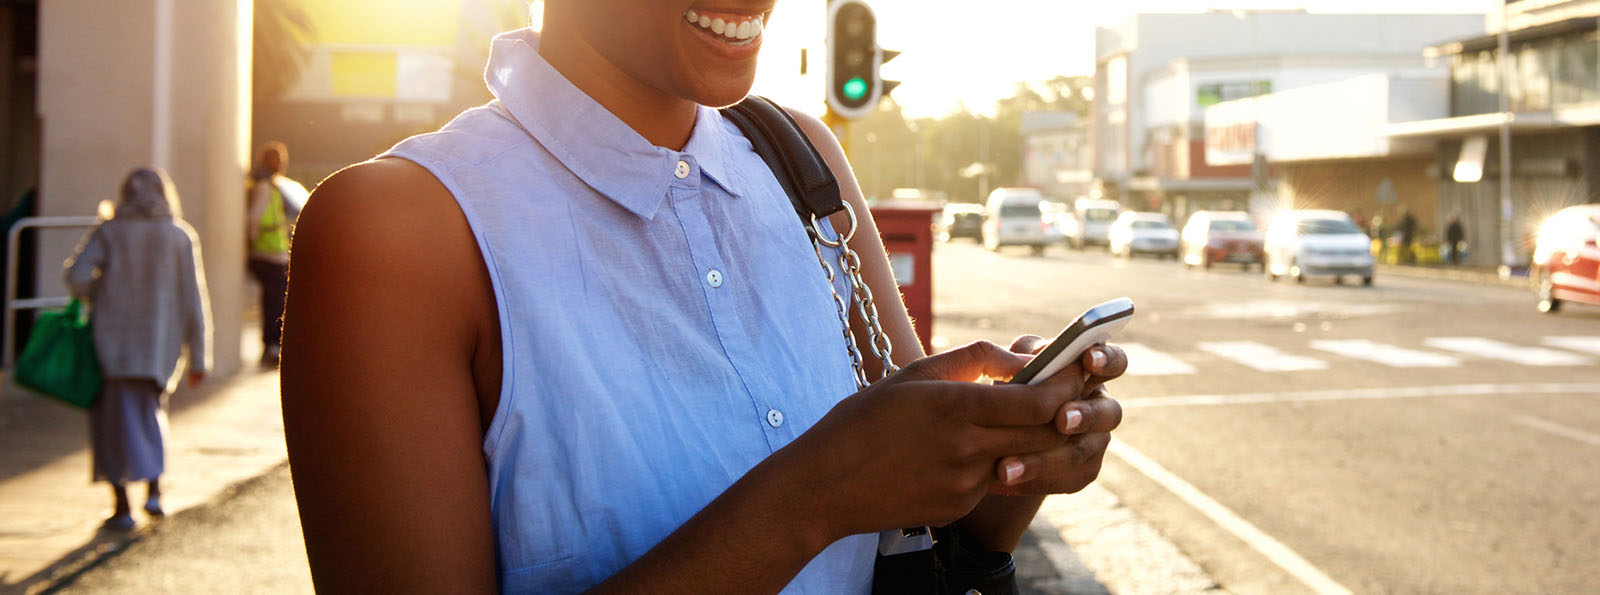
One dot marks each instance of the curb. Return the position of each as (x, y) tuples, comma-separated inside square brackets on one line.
[(1477, 276)]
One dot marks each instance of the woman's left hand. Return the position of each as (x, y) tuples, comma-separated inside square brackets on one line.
[(1089, 420)]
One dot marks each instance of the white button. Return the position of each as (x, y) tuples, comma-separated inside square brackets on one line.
[(714, 278), (683, 170), (774, 418)]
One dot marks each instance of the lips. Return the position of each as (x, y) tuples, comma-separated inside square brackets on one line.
[(732, 28)]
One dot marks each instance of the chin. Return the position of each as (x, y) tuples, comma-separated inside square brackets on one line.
[(721, 91)]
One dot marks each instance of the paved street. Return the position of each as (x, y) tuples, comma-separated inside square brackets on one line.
[(1419, 436)]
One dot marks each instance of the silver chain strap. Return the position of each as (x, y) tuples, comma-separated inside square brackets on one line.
[(860, 296)]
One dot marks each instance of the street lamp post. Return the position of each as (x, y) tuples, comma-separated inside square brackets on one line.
[(1507, 250)]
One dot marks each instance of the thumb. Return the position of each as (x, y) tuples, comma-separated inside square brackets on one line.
[(967, 364)]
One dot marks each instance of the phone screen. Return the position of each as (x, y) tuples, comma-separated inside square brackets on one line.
[(1101, 317)]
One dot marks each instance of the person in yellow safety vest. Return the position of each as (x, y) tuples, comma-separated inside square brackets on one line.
[(274, 201)]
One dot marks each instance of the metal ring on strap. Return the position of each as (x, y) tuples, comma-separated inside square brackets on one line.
[(843, 239)]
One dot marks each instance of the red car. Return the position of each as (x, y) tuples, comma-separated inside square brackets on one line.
[(1566, 259), (1220, 236)]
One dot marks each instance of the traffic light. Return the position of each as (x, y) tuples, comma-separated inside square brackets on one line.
[(854, 57)]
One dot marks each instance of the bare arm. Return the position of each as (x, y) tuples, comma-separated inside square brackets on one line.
[(1000, 520), (379, 398)]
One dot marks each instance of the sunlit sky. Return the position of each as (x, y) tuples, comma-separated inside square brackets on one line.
[(969, 54)]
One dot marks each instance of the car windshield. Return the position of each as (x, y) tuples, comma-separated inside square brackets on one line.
[(1020, 210), (1151, 224), (1327, 227), (1099, 215), (1232, 225)]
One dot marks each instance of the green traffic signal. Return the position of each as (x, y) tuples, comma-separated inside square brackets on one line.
[(855, 88)]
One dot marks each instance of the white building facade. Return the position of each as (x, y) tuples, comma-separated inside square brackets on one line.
[(1156, 74)]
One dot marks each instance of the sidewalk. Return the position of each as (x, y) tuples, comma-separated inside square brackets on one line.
[(225, 432), (1464, 274)]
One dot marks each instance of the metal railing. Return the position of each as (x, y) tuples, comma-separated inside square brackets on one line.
[(13, 304)]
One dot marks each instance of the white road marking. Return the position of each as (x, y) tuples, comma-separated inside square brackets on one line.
[(1368, 394), (1492, 349), (1261, 357), (1231, 522), (1144, 361), (1388, 355), (1558, 429), (1584, 344)]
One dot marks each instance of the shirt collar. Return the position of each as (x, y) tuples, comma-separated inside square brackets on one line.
[(587, 139)]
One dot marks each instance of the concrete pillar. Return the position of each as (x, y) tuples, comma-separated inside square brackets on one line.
[(141, 82)]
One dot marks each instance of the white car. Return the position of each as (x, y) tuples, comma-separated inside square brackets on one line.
[(1148, 233), (1090, 222), (1014, 217), (1317, 243)]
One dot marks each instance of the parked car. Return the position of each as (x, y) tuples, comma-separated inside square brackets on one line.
[(1317, 243), (1013, 217), (1146, 233), (1090, 222), (1221, 236), (1058, 215), (1566, 258), (961, 220)]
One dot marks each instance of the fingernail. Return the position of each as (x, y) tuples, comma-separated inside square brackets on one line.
[(1074, 417), (1097, 360), (1013, 471)]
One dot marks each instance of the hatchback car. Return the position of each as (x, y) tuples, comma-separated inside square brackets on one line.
[(1220, 236), (961, 220), (1566, 258), (1013, 217), (1145, 233), (1317, 243)]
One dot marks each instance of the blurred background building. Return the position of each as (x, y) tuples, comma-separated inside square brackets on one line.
[(351, 89), (1056, 153), (1157, 73), (92, 89)]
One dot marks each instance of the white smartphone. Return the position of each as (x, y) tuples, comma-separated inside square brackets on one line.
[(1095, 326)]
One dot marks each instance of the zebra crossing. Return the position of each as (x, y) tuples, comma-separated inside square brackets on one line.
[(1321, 354)]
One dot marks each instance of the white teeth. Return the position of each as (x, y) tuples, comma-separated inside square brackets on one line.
[(741, 31)]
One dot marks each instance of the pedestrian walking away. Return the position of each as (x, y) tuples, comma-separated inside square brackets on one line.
[(274, 203), (637, 378), (1408, 234), (141, 272), (1455, 238)]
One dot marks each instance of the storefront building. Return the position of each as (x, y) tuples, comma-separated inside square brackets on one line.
[(1553, 96), (1156, 75)]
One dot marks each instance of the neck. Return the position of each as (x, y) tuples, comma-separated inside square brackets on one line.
[(662, 119)]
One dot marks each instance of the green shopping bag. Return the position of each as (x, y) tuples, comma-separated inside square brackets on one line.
[(59, 360)]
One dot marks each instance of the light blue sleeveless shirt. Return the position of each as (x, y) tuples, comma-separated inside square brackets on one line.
[(666, 325)]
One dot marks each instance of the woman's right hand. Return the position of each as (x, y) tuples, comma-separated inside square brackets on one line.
[(920, 447)]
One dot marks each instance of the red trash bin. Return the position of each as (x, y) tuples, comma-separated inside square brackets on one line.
[(907, 233)]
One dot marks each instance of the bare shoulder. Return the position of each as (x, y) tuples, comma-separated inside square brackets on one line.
[(389, 225)]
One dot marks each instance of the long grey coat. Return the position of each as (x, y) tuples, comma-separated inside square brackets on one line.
[(148, 289)]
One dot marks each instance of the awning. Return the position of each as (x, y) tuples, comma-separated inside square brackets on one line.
[(1469, 125), (1153, 184), (1492, 40)]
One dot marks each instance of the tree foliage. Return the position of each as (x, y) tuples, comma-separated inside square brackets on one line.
[(950, 154), (282, 29)]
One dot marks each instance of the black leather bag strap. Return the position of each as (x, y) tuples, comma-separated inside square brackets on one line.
[(800, 169)]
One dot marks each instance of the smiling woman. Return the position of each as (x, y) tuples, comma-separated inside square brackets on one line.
[(634, 380)]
